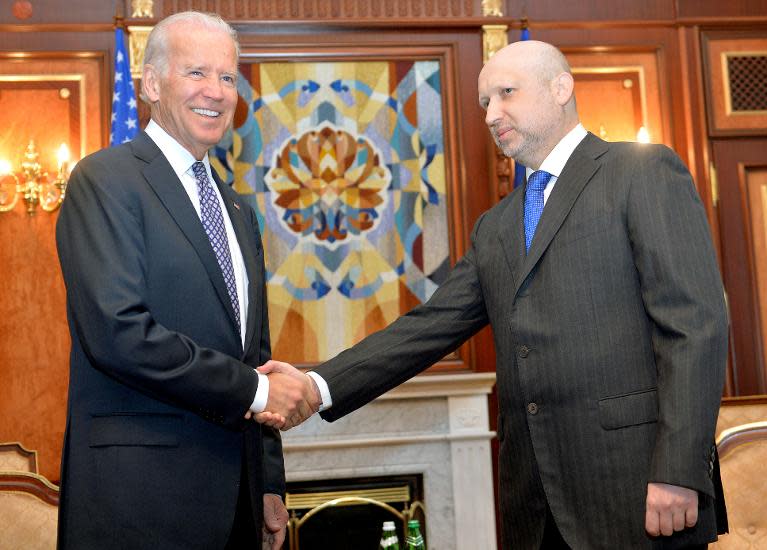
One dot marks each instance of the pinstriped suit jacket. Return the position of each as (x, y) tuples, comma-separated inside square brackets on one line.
[(611, 338)]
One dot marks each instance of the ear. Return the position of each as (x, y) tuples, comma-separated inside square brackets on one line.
[(563, 86), (150, 83)]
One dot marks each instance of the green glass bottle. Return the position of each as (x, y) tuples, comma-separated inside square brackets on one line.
[(414, 539), (389, 540)]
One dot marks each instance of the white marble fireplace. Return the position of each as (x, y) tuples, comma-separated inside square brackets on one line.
[(433, 425)]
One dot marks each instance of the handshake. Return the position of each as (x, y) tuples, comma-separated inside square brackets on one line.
[(293, 396)]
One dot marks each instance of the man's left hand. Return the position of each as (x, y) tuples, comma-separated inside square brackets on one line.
[(275, 520), (670, 508)]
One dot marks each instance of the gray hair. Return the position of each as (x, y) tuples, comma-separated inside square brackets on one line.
[(156, 51)]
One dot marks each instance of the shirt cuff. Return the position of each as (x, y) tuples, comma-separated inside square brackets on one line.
[(262, 394), (327, 401)]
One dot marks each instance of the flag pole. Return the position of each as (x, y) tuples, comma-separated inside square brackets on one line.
[(519, 170)]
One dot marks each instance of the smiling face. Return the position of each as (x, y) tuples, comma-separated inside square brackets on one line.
[(527, 102), (194, 98)]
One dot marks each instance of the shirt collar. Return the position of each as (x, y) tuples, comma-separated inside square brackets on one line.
[(179, 158), (555, 162)]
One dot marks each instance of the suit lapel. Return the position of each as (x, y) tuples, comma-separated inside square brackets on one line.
[(578, 171), (512, 235), (250, 248), (168, 188)]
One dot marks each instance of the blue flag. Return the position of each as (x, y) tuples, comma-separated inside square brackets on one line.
[(519, 170), (124, 112)]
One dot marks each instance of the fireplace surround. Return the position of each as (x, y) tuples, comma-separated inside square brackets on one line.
[(434, 426)]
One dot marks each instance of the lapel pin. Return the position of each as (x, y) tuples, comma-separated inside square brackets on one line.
[(237, 206)]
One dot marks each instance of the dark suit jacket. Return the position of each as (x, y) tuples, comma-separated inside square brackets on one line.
[(611, 340), (159, 380)]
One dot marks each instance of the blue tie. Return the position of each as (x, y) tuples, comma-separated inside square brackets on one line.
[(536, 183), (213, 222)]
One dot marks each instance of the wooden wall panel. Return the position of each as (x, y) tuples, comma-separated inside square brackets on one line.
[(610, 101), (755, 185), (72, 11), (737, 162), (591, 10), (23, 98), (618, 92), (726, 83), (720, 10), (34, 339)]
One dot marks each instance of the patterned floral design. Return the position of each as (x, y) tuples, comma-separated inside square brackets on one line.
[(329, 184)]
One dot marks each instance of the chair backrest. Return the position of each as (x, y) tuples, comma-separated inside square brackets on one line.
[(15, 458), (29, 511), (743, 456)]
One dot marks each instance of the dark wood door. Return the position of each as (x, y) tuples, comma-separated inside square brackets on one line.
[(741, 167)]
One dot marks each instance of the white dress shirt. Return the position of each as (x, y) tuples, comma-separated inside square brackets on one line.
[(555, 162), (181, 161)]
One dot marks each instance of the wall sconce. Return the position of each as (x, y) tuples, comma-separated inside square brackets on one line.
[(35, 185)]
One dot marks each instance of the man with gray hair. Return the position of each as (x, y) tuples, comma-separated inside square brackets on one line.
[(166, 300)]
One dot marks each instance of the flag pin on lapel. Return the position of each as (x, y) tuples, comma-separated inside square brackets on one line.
[(237, 206)]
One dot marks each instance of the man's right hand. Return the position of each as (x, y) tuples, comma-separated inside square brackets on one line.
[(293, 396)]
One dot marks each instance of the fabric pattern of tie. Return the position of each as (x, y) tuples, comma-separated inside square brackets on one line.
[(213, 222), (536, 183)]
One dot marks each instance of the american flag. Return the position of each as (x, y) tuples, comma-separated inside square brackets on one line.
[(124, 113)]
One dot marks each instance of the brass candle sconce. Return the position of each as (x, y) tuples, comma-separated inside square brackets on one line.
[(33, 184)]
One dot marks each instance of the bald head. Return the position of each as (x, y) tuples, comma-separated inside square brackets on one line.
[(526, 89), (538, 58)]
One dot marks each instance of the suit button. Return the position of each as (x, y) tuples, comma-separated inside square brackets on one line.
[(532, 408), (523, 351)]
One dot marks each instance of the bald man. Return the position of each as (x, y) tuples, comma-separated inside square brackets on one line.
[(600, 282)]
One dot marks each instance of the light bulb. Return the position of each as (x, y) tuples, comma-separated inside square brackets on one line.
[(643, 136), (63, 155)]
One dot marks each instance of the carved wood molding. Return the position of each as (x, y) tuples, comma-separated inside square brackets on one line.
[(332, 12), (137, 39), (494, 38), (322, 9)]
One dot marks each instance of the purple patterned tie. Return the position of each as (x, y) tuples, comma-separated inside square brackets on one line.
[(536, 183), (213, 222)]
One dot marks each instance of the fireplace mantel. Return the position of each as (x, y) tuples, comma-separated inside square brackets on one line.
[(434, 425)]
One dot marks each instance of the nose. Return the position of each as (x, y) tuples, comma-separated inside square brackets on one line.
[(493, 112), (214, 88)]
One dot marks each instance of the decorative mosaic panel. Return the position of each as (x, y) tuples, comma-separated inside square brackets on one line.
[(344, 164)]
